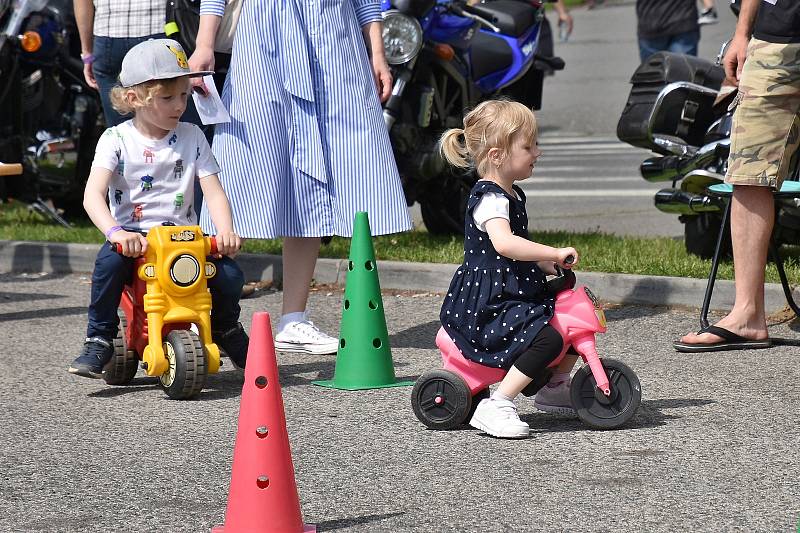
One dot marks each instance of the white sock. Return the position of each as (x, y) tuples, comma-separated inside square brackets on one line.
[(496, 395), (291, 318)]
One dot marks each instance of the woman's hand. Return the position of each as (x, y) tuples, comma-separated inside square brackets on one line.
[(133, 244), (383, 77), (228, 243), (563, 254), (202, 59)]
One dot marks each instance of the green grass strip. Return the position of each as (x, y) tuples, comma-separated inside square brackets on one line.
[(600, 252)]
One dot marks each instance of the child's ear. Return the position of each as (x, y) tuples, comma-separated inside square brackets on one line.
[(130, 97), (496, 156)]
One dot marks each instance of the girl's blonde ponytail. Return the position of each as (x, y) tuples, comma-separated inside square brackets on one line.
[(452, 149)]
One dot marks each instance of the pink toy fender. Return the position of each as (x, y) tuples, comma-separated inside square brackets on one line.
[(477, 376)]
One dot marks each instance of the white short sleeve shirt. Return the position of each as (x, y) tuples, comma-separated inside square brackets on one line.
[(153, 180), (491, 205)]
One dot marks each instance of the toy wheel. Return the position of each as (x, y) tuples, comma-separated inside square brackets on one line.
[(441, 399), (124, 364), (606, 412), (187, 370)]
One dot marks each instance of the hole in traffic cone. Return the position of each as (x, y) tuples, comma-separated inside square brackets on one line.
[(261, 382), (262, 482), (372, 305), (347, 304)]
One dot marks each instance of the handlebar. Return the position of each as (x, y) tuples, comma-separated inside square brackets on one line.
[(465, 11), (214, 248), (10, 169)]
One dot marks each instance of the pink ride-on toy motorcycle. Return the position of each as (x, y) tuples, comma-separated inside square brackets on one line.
[(605, 393)]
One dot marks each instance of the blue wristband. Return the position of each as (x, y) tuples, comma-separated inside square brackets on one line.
[(112, 230)]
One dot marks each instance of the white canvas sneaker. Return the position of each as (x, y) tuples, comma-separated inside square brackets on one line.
[(555, 399), (499, 418), (305, 337)]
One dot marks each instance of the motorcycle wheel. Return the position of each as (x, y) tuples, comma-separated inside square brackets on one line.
[(595, 408), (701, 232), (443, 213), (186, 375)]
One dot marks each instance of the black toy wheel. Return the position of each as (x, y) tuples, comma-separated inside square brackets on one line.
[(606, 412), (186, 375), (124, 364), (441, 400)]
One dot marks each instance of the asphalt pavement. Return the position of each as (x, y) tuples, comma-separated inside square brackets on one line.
[(712, 448)]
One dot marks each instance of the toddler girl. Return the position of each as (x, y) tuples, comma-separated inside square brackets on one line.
[(497, 308)]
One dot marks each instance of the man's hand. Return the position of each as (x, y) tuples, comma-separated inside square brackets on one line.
[(734, 58), (88, 75)]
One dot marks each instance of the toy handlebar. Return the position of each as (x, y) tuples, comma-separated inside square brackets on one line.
[(10, 169), (214, 249), (570, 259)]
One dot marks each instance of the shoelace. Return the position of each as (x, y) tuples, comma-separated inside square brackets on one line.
[(308, 328)]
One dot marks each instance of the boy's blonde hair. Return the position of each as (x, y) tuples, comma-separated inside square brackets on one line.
[(492, 124), (145, 92)]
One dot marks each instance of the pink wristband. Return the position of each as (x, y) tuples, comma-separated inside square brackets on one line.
[(112, 230)]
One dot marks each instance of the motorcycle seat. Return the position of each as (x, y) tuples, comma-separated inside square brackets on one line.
[(513, 17)]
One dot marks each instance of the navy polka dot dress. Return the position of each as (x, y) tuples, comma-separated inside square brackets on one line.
[(495, 306)]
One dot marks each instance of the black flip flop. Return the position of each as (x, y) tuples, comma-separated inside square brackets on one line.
[(731, 341)]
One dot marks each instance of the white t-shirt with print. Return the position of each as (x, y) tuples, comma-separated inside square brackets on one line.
[(153, 179)]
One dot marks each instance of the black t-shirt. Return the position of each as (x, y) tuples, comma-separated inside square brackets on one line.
[(664, 18), (779, 23)]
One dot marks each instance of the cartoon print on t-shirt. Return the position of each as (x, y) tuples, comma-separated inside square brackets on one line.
[(136, 216), (148, 156), (147, 182), (173, 139), (178, 201), (178, 172), (118, 196), (198, 154), (189, 213)]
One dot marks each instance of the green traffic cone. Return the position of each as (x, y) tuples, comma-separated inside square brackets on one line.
[(364, 358)]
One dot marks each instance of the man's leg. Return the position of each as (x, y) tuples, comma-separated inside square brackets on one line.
[(685, 43), (752, 218), (648, 47)]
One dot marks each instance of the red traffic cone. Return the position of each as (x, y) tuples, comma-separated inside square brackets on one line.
[(263, 493)]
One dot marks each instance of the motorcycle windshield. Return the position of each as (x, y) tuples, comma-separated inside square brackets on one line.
[(20, 11)]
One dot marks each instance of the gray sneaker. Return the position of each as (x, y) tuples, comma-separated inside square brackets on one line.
[(555, 399), (708, 16)]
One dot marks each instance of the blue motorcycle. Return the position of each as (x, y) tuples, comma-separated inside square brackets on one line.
[(447, 56)]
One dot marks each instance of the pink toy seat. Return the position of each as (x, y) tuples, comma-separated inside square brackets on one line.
[(477, 376)]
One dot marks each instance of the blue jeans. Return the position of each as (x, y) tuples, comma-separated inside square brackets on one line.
[(112, 271), (682, 43), (109, 52)]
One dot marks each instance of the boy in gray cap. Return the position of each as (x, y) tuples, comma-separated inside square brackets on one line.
[(137, 161)]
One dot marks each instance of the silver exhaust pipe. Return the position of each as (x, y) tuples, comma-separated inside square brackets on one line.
[(678, 202)]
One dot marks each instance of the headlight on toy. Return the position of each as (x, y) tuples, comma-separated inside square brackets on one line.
[(185, 270), (402, 37)]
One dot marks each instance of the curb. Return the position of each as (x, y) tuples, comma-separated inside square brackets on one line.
[(25, 256)]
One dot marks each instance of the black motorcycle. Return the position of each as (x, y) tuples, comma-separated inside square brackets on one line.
[(447, 56), (50, 119)]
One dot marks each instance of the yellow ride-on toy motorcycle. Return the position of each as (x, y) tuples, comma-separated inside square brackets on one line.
[(168, 295)]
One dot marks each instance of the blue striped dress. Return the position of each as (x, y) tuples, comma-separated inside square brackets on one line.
[(306, 147)]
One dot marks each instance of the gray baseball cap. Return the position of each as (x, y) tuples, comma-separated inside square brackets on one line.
[(156, 59)]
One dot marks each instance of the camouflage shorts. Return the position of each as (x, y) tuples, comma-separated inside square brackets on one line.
[(766, 124)]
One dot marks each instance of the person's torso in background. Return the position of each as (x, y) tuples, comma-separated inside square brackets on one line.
[(778, 21), (129, 18), (662, 18)]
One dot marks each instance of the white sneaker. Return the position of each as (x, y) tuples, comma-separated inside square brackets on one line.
[(555, 399), (499, 418), (305, 337), (708, 16)]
